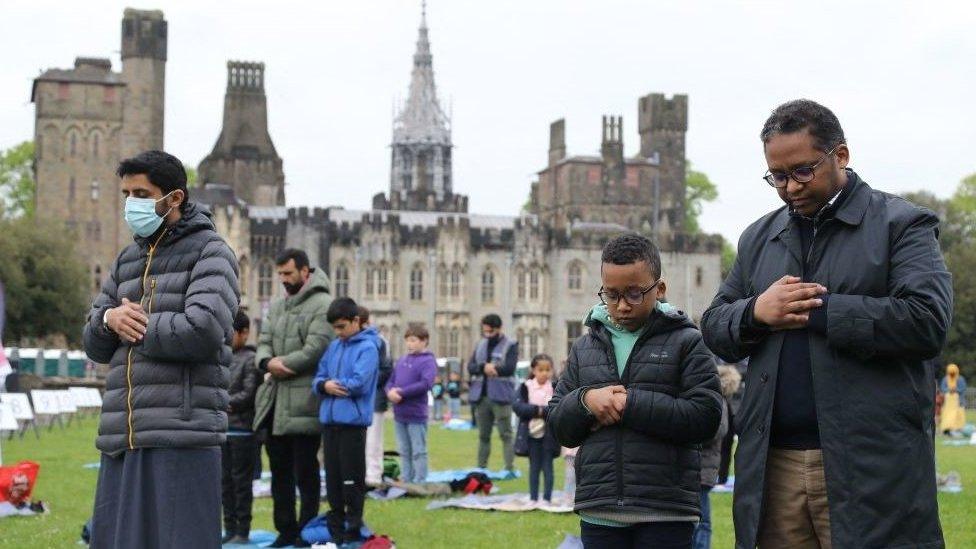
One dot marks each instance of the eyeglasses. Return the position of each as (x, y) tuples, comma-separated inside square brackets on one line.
[(633, 297), (802, 174)]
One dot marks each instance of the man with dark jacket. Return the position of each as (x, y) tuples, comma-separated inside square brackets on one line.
[(837, 298), (237, 454), (639, 395), (492, 367), (163, 322), (292, 341)]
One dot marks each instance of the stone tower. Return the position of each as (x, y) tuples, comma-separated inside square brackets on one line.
[(662, 124), (420, 170), (144, 72), (244, 156), (87, 119)]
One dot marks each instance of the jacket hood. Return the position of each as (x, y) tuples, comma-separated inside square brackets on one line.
[(318, 282), (664, 318), (369, 334), (194, 219), (425, 354)]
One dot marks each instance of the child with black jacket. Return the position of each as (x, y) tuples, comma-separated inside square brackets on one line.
[(640, 394)]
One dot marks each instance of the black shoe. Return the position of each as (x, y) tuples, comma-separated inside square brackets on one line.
[(352, 534), (227, 537), (282, 541)]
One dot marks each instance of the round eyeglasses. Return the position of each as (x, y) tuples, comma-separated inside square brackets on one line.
[(634, 296), (800, 174)]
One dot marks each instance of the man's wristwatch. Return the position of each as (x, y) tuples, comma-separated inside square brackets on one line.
[(105, 320)]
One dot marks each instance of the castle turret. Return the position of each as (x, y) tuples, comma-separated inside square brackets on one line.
[(663, 124), (244, 156), (144, 35), (420, 171)]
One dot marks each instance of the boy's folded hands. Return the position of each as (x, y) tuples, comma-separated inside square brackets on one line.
[(606, 403)]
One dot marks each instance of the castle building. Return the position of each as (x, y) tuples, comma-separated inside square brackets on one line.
[(418, 255), (87, 119)]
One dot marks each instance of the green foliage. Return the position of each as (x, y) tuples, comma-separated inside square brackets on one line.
[(698, 190), (728, 257), (191, 178), (17, 181), (958, 241), (44, 281)]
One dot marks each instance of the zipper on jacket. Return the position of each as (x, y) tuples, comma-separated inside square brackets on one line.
[(128, 365)]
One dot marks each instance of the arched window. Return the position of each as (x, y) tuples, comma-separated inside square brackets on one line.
[(94, 190), (342, 280), (522, 348), (265, 274), (521, 283), (534, 284), (442, 282), (488, 285), (417, 283), (455, 281), (370, 281), (382, 281), (532, 347), (575, 276)]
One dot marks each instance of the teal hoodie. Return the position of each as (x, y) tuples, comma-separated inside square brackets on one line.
[(622, 338)]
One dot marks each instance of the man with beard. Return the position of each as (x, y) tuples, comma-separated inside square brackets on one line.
[(293, 339)]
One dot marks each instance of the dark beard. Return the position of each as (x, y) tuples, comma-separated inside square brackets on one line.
[(292, 289)]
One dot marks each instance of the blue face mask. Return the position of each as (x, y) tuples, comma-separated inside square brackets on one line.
[(665, 307), (141, 216)]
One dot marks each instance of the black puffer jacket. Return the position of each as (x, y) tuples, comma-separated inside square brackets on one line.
[(244, 381), (650, 460), (170, 390)]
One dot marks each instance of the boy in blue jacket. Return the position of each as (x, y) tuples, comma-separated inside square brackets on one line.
[(346, 379)]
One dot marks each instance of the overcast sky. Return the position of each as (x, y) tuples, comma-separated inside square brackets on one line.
[(899, 75)]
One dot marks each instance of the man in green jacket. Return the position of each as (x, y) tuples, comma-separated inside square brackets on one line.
[(293, 339)]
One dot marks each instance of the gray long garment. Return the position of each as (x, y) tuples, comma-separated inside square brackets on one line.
[(170, 390), (158, 498), (889, 308)]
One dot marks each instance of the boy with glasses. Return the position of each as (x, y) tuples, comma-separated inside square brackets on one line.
[(639, 394)]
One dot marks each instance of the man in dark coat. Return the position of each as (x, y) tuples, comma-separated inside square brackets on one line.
[(837, 298), (163, 322)]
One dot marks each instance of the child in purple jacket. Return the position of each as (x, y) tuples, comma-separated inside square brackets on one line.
[(407, 389)]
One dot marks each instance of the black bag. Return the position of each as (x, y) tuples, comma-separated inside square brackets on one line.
[(521, 445)]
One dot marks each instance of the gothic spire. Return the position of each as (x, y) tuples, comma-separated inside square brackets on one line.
[(421, 119)]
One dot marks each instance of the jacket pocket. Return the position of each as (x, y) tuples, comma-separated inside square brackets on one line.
[(187, 407)]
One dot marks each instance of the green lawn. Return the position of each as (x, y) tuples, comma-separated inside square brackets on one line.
[(70, 488)]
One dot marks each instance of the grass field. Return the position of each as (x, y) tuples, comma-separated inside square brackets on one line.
[(69, 488)]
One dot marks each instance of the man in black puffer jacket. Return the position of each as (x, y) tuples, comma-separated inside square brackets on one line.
[(639, 395), (163, 322)]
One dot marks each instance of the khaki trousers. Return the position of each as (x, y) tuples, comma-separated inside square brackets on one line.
[(795, 511)]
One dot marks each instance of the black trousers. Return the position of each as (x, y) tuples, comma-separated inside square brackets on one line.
[(540, 461), (660, 535), (237, 463), (294, 462), (345, 476)]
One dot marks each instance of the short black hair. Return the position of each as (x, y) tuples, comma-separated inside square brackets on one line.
[(363, 314), (300, 257), (803, 114), (492, 320), (343, 308), (241, 321), (161, 169), (633, 248)]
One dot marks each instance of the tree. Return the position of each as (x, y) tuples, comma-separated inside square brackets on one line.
[(45, 282), (698, 190), (17, 181), (191, 178)]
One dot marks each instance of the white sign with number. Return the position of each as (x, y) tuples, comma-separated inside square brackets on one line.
[(82, 397), (45, 402), (19, 405), (7, 420), (66, 402)]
